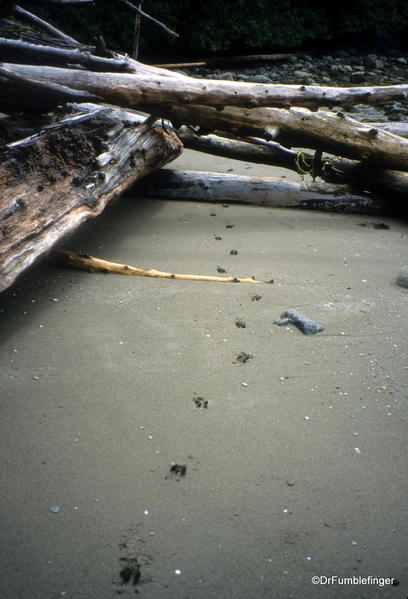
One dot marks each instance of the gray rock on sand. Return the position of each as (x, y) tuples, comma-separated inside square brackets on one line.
[(402, 278), (305, 324)]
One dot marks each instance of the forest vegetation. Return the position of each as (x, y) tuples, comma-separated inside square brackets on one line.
[(239, 26)]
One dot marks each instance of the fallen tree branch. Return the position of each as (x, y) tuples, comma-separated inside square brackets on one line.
[(232, 59), (267, 153), (97, 265), (17, 51), (29, 17)]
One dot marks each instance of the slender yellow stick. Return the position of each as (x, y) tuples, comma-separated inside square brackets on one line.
[(96, 264)]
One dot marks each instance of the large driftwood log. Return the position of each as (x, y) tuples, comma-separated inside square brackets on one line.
[(217, 93), (201, 186), (333, 133), (53, 181), (388, 184)]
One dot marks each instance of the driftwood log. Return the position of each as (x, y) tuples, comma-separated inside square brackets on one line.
[(203, 103), (201, 186), (353, 177), (187, 90), (53, 181)]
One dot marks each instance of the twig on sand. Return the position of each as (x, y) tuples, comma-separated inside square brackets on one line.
[(96, 264)]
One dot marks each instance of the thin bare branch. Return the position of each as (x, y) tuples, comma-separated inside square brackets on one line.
[(25, 52), (28, 17), (136, 33), (96, 264), (148, 17)]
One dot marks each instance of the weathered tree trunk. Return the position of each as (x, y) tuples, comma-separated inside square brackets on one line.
[(53, 181), (298, 127), (217, 93), (203, 186)]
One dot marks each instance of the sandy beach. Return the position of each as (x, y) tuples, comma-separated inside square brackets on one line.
[(173, 468)]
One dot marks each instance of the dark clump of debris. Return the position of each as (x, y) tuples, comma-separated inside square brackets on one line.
[(240, 323), (243, 357), (130, 572), (177, 471), (200, 402)]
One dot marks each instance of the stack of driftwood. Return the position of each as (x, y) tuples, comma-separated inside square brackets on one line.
[(80, 124)]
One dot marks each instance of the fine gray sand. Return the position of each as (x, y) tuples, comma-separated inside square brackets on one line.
[(179, 471)]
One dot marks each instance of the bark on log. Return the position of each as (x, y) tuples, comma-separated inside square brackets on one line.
[(200, 186), (52, 182), (324, 131)]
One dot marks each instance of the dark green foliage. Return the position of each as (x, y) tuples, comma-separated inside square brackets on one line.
[(239, 26)]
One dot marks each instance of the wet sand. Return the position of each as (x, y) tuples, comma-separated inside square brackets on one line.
[(179, 471)]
